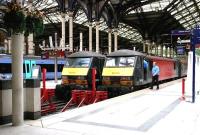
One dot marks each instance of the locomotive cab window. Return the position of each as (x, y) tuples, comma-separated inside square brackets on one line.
[(120, 62), (78, 62)]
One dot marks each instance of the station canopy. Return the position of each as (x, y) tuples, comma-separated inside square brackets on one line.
[(135, 16)]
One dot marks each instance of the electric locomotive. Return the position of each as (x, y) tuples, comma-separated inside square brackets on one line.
[(77, 73)]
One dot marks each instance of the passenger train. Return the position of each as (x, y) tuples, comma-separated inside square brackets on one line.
[(124, 71), (6, 60)]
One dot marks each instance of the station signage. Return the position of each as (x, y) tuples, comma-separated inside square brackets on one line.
[(195, 38), (180, 32), (180, 50)]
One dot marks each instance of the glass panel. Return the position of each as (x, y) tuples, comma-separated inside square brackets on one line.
[(120, 62), (78, 62)]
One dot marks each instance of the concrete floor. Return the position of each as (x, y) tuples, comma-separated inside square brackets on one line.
[(146, 112)]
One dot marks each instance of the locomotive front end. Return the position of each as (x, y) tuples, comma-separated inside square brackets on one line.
[(118, 75)]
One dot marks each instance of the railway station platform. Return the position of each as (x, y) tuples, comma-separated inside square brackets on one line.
[(145, 112)]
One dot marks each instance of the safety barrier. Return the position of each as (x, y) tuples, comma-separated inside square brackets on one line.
[(183, 90), (85, 97), (47, 105)]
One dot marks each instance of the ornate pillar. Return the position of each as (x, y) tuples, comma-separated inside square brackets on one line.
[(90, 36), (115, 40), (70, 31), (6, 45), (168, 51), (144, 46), (9, 45), (30, 44), (97, 37), (63, 30), (109, 41), (81, 42)]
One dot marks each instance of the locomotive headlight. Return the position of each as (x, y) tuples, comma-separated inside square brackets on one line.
[(106, 80), (126, 81), (81, 80), (65, 80), (81, 77)]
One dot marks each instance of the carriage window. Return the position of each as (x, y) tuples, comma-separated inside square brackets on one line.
[(5, 68), (60, 67)]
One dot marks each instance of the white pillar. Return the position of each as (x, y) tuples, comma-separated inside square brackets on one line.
[(17, 79), (97, 37), (6, 45), (115, 40), (109, 41), (90, 36), (30, 44), (9, 45), (168, 51), (164, 51), (71, 31), (56, 60), (63, 30), (81, 41)]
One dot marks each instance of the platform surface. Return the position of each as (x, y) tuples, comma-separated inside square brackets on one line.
[(146, 112)]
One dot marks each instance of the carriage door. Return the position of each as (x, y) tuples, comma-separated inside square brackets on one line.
[(139, 71), (150, 68), (146, 69)]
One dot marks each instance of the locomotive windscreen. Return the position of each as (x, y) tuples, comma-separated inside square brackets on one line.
[(120, 62), (78, 62)]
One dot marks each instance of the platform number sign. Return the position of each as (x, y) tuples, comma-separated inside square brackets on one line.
[(195, 36)]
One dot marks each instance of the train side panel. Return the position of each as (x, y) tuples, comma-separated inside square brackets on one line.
[(167, 67)]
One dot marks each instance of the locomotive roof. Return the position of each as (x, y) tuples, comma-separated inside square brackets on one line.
[(125, 52), (85, 54), (161, 58)]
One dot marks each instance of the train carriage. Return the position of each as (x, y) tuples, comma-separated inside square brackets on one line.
[(6, 61)]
